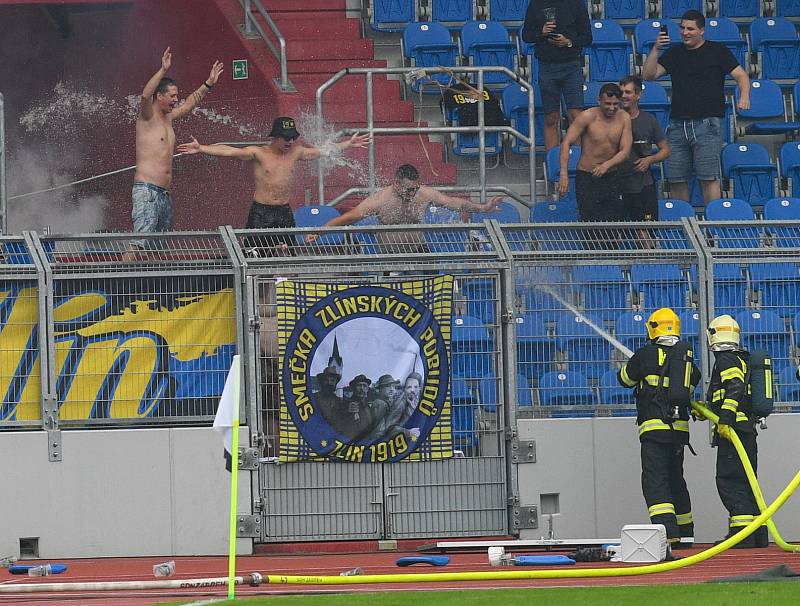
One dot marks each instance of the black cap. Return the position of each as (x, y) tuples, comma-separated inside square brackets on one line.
[(284, 127)]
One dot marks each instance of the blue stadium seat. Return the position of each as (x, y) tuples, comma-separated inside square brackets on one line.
[(611, 392), (469, 144), (788, 8), (527, 50), (778, 287), (481, 297), (690, 329), (624, 9), (536, 349), (763, 329), (429, 45), (587, 351), (767, 115), (750, 169), (559, 210), (565, 389), (775, 40), (673, 9), (444, 241), (661, 285), (674, 210), (463, 406), (790, 165), (552, 171), (452, 13), (471, 347), (317, 216), (746, 10), (610, 52), (515, 108), (591, 91), (487, 43), (535, 287), (730, 288), (505, 212), (487, 389), (603, 288), (630, 329), (366, 241), (392, 15), (646, 32), (654, 100), (510, 13), (723, 30), (783, 209), (734, 210)]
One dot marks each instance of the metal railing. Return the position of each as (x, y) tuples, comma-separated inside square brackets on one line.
[(252, 26), (3, 193), (481, 128)]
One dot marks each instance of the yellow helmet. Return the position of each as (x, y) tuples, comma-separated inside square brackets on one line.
[(663, 323), (723, 329)]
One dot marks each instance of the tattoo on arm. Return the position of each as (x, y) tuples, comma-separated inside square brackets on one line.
[(198, 95)]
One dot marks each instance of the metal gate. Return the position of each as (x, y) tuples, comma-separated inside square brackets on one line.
[(461, 496)]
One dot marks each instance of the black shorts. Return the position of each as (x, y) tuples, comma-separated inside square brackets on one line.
[(599, 198), (266, 216), (641, 206)]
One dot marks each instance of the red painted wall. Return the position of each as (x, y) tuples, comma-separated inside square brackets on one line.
[(114, 52)]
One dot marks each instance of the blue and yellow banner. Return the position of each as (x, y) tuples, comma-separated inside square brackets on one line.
[(365, 371), (119, 355)]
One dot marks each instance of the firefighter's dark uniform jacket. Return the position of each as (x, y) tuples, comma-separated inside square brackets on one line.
[(728, 394), (644, 371)]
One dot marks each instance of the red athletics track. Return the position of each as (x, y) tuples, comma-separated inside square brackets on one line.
[(730, 563)]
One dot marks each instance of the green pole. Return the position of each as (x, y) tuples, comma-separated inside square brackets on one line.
[(234, 478)]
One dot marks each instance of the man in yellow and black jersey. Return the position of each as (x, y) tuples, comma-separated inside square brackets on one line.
[(664, 376), (729, 397)]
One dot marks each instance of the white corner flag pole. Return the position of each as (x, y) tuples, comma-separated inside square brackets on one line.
[(234, 478)]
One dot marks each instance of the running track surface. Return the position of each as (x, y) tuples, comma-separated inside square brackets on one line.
[(730, 563)]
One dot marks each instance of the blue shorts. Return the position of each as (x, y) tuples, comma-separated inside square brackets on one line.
[(557, 80), (152, 210), (695, 146)]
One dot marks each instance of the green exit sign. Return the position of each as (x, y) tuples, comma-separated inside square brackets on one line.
[(240, 69)]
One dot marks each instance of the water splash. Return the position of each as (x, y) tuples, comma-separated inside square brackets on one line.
[(315, 131), (65, 107)]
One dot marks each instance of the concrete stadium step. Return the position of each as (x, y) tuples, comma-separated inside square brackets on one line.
[(349, 112), (313, 50), (330, 66), (304, 6), (323, 27), (353, 88)]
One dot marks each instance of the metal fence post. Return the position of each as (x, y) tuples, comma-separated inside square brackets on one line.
[(3, 193)]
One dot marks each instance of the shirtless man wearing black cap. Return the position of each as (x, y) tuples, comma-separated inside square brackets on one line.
[(273, 170)]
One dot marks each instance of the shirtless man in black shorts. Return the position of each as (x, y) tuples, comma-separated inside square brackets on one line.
[(273, 171), (604, 133)]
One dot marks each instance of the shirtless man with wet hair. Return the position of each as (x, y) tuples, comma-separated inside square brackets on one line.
[(155, 144), (604, 133), (273, 172), (404, 203)]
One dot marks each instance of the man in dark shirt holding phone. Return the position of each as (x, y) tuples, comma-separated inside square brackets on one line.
[(698, 68), (559, 29)]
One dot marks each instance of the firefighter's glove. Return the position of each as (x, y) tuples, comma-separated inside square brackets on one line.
[(724, 431)]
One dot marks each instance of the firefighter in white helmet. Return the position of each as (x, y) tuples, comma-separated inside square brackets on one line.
[(664, 376), (728, 397)]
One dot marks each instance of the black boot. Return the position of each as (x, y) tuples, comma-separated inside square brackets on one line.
[(761, 537)]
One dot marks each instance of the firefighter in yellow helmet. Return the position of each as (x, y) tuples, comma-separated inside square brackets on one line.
[(664, 376), (728, 397)]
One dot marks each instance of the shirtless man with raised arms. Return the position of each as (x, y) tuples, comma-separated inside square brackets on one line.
[(155, 144), (273, 172), (404, 203), (605, 138)]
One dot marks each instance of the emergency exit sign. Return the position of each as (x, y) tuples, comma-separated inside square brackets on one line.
[(240, 69)]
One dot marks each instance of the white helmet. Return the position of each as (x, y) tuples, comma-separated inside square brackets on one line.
[(723, 329)]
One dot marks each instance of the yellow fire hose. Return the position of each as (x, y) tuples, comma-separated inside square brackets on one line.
[(751, 477)]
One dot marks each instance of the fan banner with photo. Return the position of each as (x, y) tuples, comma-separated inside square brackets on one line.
[(365, 371)]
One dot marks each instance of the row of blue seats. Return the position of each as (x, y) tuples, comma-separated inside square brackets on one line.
[(395, 15), (752, 174)]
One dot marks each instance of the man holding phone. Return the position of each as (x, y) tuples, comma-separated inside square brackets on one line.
[(698, 68), (559, 29)]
